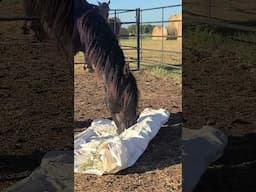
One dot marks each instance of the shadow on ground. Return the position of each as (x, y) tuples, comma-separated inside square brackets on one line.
[(14, 167), (163, 151), (234, 170)]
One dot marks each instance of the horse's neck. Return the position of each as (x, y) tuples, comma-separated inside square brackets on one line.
[(104, 11), (80, 6), (79, 3)]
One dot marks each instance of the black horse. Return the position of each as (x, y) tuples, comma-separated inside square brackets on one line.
[(36, 26), (78, 26), (104, 9)]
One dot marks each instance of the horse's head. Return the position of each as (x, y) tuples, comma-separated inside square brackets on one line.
[(104, 9), (122, 101)]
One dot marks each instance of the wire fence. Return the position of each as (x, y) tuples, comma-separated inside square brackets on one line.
[(139, 47), (230, 15), (148, 49), (141, 50), (233, 16)]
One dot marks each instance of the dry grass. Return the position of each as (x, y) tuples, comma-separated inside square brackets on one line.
[(228, 10), (171, 57), (151, 60), (168, 45)]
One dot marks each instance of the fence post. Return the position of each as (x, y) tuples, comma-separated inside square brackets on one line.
[(115, 23), (141, 33), (162, 36), (138, 37)]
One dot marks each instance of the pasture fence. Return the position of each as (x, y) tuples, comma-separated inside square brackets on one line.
[(134, 42), (229, 15), (139, 57)]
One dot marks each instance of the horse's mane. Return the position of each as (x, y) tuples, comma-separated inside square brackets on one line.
[(104, 52), (96, 36), (130, 90), (58, 16)]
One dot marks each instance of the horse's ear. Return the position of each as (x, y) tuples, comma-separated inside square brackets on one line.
[(99, 3), (108, 2)]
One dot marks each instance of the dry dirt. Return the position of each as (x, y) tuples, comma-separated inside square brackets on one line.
[(159, 169), (37, 112), (36, 94), (219, 89)]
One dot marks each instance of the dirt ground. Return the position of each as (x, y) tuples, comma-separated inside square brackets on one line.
[(36, 94), (159, 169), (223, 95), (37, 112), (219, 89)]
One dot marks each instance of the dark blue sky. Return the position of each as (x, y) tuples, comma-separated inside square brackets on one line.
[(155, 15)]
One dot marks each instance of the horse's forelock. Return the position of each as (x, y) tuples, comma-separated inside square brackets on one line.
[(127, 90), (123, 90), (131, 91)]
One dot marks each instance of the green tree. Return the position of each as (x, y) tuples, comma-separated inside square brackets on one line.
[(132, 29), (145, 29)]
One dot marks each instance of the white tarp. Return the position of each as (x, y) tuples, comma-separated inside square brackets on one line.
[(201, 147), (99, 150)]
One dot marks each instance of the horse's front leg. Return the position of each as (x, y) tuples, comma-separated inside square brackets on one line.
[(28, 13), (25, 28), (88, 66)]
